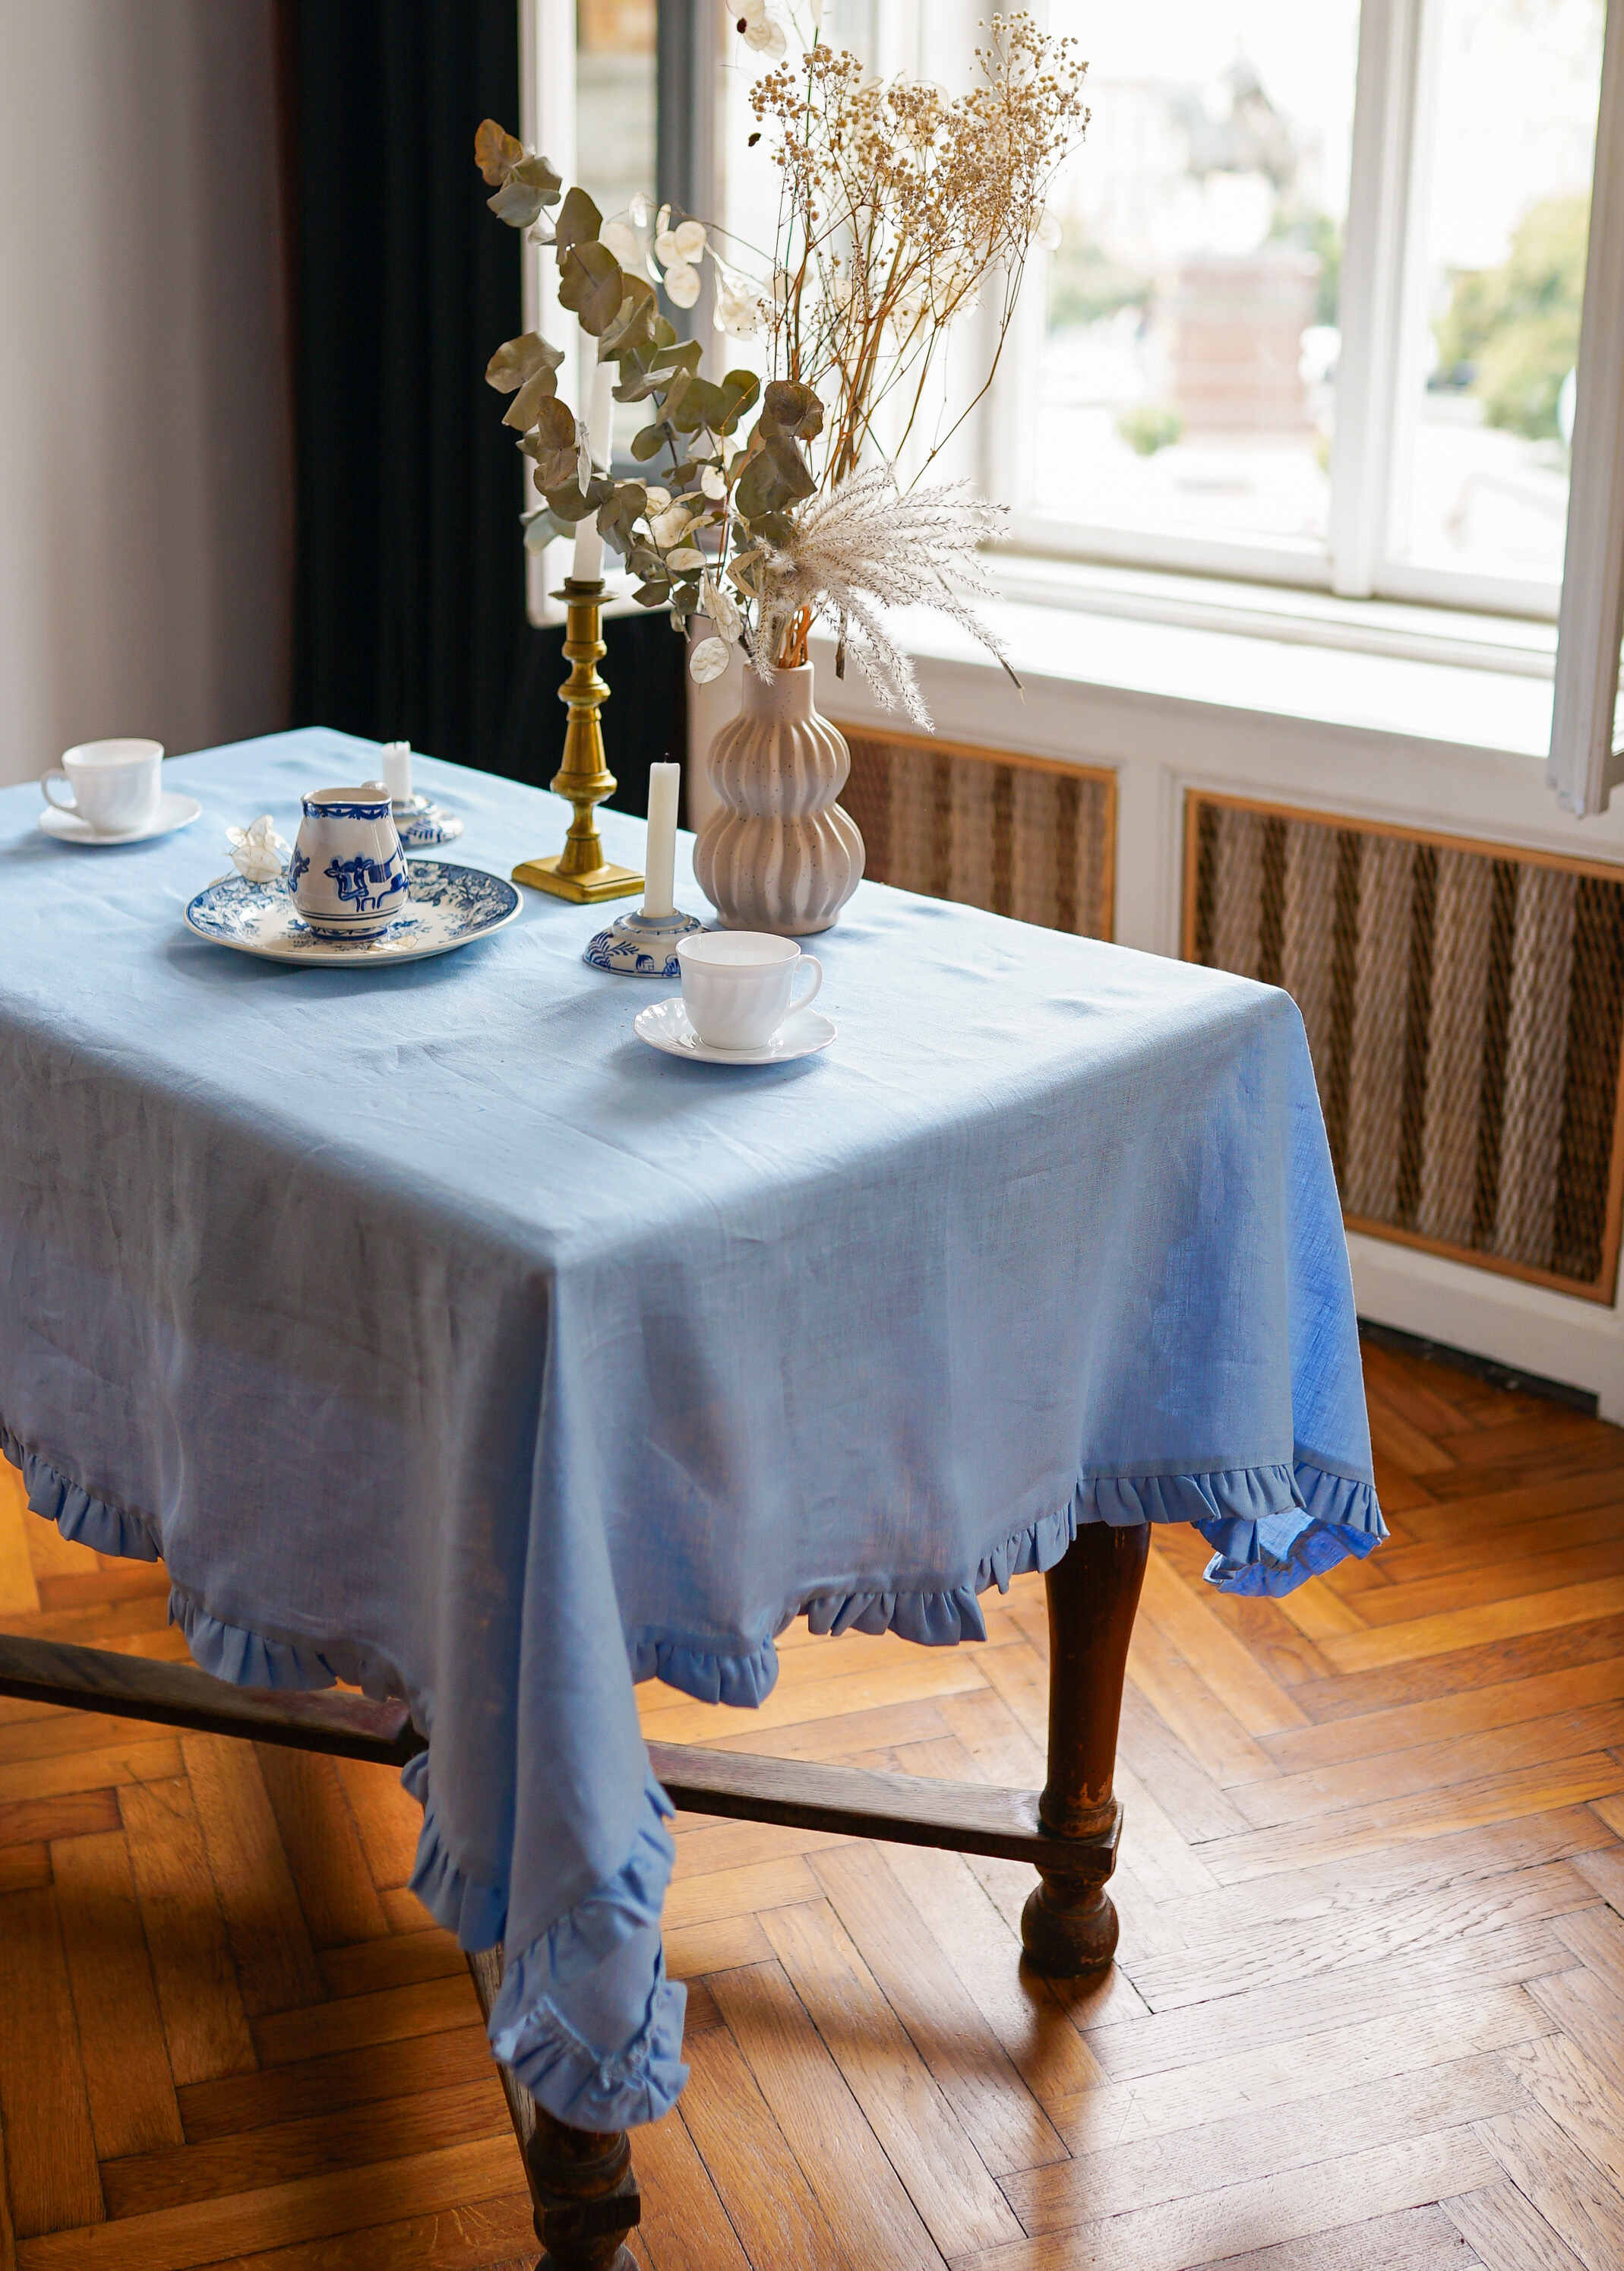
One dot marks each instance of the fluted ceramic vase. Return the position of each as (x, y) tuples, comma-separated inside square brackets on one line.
[(778, 854)]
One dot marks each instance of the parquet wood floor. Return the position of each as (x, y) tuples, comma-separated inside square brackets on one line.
[(1368, 2013)]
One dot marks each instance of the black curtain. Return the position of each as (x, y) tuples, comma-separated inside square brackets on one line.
[(410, 618)]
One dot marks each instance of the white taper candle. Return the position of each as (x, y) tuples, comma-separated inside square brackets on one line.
[(397, 771), (588, 562), (660, 859)]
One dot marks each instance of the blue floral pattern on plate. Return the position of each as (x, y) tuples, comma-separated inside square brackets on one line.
[(449, 906)]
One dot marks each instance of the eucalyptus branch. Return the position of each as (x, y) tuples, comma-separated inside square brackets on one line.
[(896, 207)]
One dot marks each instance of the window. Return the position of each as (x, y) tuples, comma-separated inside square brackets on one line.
[(589, 97), (1182, 387), (1314, 314), (1499, 227), (615, 98)]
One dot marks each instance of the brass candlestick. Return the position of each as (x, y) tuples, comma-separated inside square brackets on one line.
[(580, 871)]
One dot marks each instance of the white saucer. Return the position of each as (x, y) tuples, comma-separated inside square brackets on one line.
[(174, 811), (664, 1025)]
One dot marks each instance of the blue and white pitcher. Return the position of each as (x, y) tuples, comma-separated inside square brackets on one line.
[(348, 874)]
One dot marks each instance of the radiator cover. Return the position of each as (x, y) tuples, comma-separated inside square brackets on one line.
[(1463, 1005), (1028, 837)]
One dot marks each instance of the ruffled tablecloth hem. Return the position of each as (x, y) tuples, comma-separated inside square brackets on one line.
[(250, 1659), (562, 2071), (101, 1523), (1271, 1527), (529, 2031)]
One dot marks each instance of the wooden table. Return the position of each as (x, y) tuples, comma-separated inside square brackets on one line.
[(581, 2181)]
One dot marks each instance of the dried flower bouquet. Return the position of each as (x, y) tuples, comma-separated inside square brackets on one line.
[(900, 209)]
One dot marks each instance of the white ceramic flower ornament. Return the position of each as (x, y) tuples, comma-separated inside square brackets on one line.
[(257, 852)]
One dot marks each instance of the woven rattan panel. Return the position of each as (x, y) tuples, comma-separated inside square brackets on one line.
[(1463, 1007), (1019, 836)]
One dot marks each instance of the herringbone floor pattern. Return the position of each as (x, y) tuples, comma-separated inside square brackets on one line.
[(1369, 2015)]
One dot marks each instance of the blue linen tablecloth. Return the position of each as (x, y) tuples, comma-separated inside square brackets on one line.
[(441, 1336)]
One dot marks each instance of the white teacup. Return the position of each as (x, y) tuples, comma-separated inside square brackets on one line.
[(738, 985), (112, 787)]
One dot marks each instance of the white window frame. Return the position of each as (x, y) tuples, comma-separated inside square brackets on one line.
[(1379, 386), (546, 123), (547, 91), (1586, 763)]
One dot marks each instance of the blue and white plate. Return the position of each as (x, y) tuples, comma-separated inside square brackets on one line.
[(449, 906)]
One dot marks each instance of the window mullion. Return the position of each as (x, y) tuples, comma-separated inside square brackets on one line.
[(1373, 288), (546, 123), (689, 78)]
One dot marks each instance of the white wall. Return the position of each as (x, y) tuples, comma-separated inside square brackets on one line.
[(146, 459)]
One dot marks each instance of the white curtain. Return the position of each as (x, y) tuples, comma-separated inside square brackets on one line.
[(146, 455)]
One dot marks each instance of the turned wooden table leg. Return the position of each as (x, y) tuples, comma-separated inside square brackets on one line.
[(583, 2185), (585, 2194), (1069, 1925)]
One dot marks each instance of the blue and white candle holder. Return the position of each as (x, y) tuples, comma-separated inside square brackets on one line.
[(422, 824), (641, 946)]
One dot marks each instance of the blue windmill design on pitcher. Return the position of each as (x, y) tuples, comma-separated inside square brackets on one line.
[(365, 883)]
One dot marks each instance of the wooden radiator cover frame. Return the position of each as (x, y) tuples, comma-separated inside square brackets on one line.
[(1410, 990), (1000, 896)]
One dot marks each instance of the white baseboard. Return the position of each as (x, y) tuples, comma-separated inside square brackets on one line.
[(1581, 1343)]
